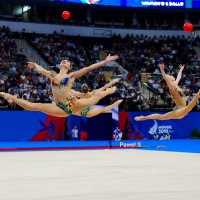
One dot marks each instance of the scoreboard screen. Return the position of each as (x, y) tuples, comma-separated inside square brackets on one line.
[(140, 3)]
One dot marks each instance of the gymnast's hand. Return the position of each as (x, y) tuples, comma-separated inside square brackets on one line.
[(162, 66), (111, 58), (181, 67), (31, 65)]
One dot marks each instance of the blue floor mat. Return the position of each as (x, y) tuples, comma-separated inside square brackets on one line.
[(190, 146)]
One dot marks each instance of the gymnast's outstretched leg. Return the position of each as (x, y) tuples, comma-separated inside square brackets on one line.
[(85, 103), (167, 116), (96, 111), (177, 114), (50, 109)]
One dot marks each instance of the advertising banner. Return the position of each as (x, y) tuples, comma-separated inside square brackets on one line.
[(175, 129)]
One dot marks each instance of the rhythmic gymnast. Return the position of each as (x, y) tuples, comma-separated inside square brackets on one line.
[(88, 94), (177, 96), (66, 103), (85, 94)]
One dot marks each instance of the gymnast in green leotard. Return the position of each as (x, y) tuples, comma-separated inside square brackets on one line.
[(66, 103)]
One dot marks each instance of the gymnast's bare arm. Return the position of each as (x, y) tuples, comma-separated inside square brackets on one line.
[(85, 70), (162, 68), (165, 76), (108, 85), (77, 94), (39, 69), (179, 74)]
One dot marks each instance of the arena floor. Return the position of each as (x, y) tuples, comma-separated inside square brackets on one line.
[(99, 174)]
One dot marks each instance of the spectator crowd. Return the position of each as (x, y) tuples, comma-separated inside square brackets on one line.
[(138, 54)]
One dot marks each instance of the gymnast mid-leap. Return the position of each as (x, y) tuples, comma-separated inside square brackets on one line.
[(66, 103), (177, 96)]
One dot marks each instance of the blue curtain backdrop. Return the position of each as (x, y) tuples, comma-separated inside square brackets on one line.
[(100, 127)]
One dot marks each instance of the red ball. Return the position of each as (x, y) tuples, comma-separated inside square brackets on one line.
[(65, 15), (187, 27)]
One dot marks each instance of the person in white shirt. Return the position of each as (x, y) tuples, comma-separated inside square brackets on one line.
[(163, 137), (155, 136), (167, 136), (74, 133), (117, 134)]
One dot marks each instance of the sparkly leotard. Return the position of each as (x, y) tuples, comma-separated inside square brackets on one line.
[(177, 91), (69, 102)]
